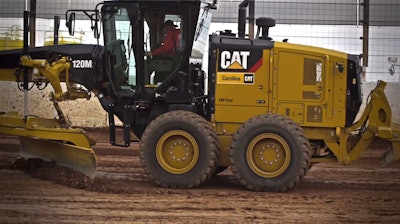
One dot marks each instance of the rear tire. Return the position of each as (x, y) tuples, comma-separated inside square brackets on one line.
[(270, 153), (179, 149)]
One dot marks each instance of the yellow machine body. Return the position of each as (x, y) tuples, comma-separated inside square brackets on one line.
[(307, 85), (294, 81)]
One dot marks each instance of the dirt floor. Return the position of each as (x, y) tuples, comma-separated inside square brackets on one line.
[(363, 192)]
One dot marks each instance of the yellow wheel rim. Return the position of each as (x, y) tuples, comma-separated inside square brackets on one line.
[(177, 152), (268, 155)]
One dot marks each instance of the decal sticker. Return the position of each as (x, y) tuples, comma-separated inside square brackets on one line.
[(235, 78), (234, 60), (240, 60), (82, 63), (249, 78)]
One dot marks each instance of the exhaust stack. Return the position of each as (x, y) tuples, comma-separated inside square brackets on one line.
[(243, 16)]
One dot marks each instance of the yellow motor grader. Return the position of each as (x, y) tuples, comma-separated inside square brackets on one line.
[(267, 109)]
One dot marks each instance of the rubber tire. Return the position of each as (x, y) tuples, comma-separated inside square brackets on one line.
[(205, 137), (300, 152)]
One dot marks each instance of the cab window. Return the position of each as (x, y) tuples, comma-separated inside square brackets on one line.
[(163, 45)]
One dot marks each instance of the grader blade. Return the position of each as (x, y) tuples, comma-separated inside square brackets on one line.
[(77, 158), (45, 139)]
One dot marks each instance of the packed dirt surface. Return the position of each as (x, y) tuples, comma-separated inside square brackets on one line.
[(363, 192)]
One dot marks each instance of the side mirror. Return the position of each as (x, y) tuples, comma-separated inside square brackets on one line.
[(71, 24), (96, 30)]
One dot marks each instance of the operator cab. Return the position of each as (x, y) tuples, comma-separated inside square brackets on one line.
[(137, 61)]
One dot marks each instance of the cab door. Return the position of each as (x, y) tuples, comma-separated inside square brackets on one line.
[(119, 57)]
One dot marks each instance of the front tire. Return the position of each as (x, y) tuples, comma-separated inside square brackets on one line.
[(270, 153), (179, 150)]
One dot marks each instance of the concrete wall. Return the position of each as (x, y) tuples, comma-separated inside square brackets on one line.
[(89, 113)]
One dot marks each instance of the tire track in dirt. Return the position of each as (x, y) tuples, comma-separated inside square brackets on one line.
[(363, 192)]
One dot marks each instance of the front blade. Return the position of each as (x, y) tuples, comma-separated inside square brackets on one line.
[(77, 158)]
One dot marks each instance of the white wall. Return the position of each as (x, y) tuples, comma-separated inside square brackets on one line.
[(81, 112)]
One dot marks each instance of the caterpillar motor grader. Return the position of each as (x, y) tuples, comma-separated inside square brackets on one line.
[(266, 108)]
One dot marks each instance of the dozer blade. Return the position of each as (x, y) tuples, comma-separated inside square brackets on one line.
[(77, 158)]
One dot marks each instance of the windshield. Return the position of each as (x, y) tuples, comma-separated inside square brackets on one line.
[(121, 64), (158, 37)]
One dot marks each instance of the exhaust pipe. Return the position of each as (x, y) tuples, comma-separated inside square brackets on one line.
[(242, 18)]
